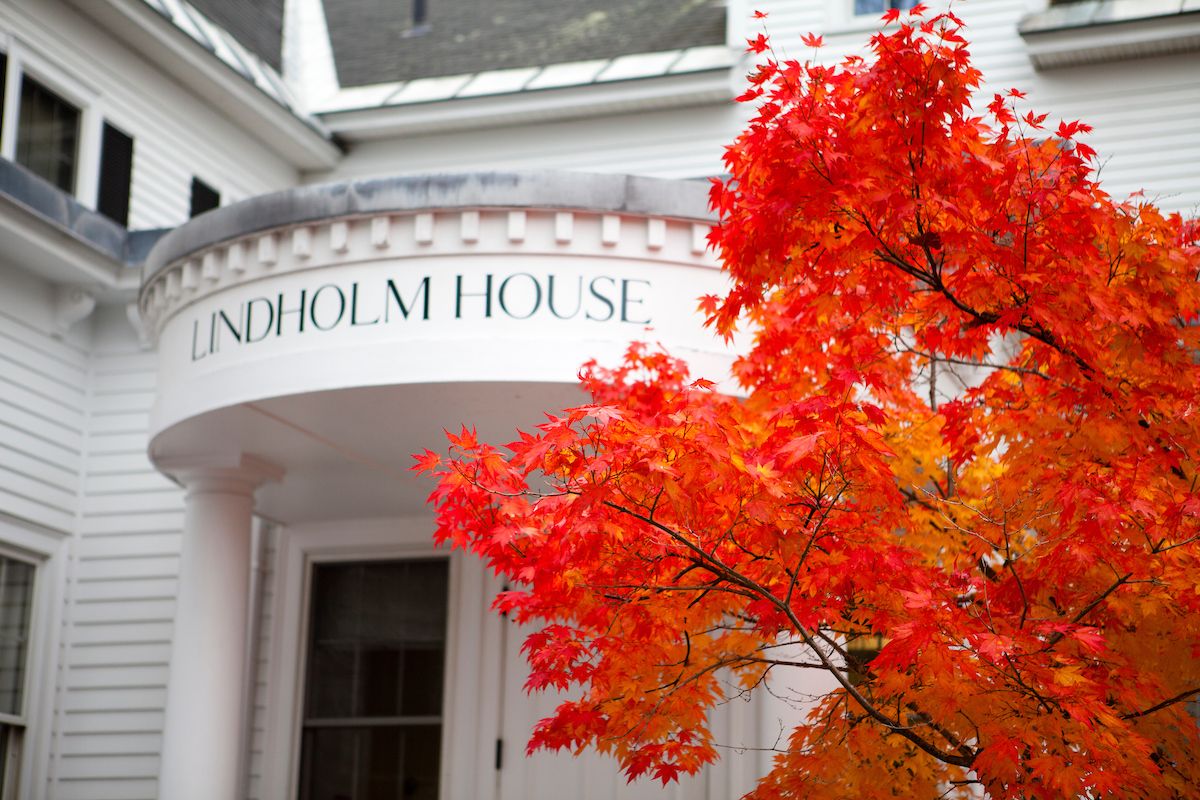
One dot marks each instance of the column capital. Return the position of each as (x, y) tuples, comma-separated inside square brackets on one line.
[(229, 472)]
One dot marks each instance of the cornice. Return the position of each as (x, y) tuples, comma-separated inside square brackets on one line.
[(444, 233)]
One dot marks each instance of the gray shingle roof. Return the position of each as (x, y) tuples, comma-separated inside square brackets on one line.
[(375, 41), (256, 24)]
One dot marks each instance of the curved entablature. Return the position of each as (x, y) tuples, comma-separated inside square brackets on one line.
[(403, 218), (349, 294)]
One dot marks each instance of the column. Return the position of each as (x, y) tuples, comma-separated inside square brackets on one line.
[(203, 736)]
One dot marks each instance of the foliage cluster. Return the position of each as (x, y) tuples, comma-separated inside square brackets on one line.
[(1024, 545)]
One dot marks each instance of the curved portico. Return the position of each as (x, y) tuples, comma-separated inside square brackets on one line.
[(309, 341), (346, 325)]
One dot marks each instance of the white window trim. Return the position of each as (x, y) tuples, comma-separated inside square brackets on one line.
[(471, 719), (47, 551), (24, 59)]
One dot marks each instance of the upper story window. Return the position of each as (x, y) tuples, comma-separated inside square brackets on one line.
[(204, 198), (51, 125), (116, 171), (862, 7), (48, 134)]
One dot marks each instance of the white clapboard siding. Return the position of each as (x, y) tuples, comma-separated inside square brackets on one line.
[(119, 622), (176, 134), (42, 403), (679, 143)]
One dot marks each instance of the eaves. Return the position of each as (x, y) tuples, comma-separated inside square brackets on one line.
[(302, 140)]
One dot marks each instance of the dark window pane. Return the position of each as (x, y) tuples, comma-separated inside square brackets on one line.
[(879, 6), (372, 625), (116, 172), (377, 648), (204, 197), (376, 763), (16, 598), (3, 85), (47, 134)]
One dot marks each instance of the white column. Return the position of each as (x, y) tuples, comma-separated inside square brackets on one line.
[(203, 735)]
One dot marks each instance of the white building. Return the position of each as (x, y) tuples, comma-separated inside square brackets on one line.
[(216, 569)]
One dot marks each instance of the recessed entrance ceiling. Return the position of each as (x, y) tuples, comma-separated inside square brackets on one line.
[(347, 452)]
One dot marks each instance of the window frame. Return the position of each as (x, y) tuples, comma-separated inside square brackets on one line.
[(471, 700), (24, 60), (840, 18), (46, 550)]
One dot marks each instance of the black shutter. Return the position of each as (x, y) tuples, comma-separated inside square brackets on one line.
[(3, 85), (204, 197), (116, 174)]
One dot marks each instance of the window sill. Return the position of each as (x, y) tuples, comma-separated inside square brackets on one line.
[(1110, 30)]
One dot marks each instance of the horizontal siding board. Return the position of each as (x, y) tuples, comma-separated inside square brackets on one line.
[(18, 349), (36, 341), (59, 498), (128, 611), (137, 481), (128, 589), (35, 447), (125, 362), (137, 545), (124, 382), (46, 433), (67, 395), (128, 645), (117, 464), (39, 470), (108, 699), (99, 744), (17, 397), (84, 722), (117, 443), (90, 636), (121, 403), (123, 677), (120, 569), (160, 501), (38, 513), (133, 523), (120, 423), (108, 766), (94, 789)]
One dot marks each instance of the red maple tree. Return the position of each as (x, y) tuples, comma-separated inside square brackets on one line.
[(962, 481)]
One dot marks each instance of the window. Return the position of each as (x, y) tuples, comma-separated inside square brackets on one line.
[(50, 123), (372, 721), (116, 172), (880, 6), (204, 197), (47, 134), (16, 604)]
